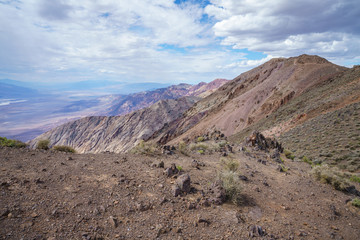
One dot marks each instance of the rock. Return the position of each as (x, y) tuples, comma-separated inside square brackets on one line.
[(217, 192), (175, 190), (183, 181), (203, 220), (171, 171), (70, 158), (258, 141), (256, 231), (244, 178), (113, 221), (163, 200), (158, 164), (4, 213), (169, 150), (191, 205)]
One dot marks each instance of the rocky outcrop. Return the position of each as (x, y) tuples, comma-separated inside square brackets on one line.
[(117, 133)]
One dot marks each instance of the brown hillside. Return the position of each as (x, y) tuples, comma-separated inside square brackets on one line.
[(250, 97)]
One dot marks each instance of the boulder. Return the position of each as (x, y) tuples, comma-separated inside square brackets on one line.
[(183, 181)]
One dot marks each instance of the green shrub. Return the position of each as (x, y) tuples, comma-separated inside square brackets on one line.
[(183, 148), (356, 202), (289, 155), (355, 178), (283, 168), (200, 139), (332, 176), (232, 186), (62, 148), (145, 148), (5, 142), (43, 144), (201, 151), (307, 160), (229, 164), (198, 146), (179, 168)]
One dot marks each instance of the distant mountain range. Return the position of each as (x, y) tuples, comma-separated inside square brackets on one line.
[(28, 113)]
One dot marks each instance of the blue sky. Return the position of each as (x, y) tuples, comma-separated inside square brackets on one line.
[(168, 41)]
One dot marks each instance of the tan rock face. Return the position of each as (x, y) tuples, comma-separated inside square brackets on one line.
[(251, 97), (117, 133)]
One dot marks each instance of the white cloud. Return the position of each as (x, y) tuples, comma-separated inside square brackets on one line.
[(329, 28), (74, 39)]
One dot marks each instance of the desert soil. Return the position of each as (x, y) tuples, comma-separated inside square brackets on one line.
[(48, 195)]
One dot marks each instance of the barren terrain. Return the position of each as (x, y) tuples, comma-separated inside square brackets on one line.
[(52, 195)]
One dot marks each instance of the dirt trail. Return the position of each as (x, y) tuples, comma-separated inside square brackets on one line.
[(47, 195)]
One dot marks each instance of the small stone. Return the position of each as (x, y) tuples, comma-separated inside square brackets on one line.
[(256, 231), (113, 222), (191, 206), (203, 220), (176, 191), (335, 228), (34, 215), (70, 158), (244, 178)]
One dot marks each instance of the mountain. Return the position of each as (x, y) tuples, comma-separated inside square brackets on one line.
[(250, 97), (116, 133), (132, 102), (11, 91), (25, 119)]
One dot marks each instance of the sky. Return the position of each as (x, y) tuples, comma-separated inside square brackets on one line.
[(168, 41)]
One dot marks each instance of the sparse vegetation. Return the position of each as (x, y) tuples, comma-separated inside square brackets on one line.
[(62, 148), (43, 144), (179, 168), (229, 177), (229, 164), (355, 178), (283, 168), (307, 160), (200, 139), (183, 148), (145, 148), (332, 176), (5, 142), (232, 186), (289, 155), (356, 202)]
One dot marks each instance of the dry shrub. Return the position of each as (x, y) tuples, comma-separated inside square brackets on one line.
[(63, 148), (43, 144)]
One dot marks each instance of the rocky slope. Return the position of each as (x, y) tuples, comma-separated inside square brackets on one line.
[(117, 133), (50, 195), (251, 97), (125, 104)]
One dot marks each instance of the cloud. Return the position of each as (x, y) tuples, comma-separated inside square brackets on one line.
[(329, 28), (166, 40), (64, 40), (54, 10)]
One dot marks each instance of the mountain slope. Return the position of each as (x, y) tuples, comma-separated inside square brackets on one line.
[(322, 124), (250, 97), (126, 104), (12, 91), (117, 133)]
